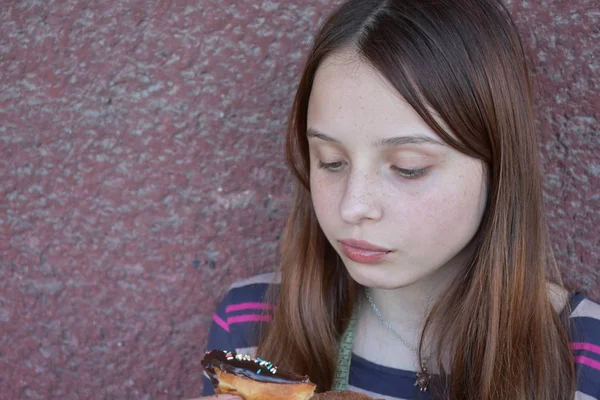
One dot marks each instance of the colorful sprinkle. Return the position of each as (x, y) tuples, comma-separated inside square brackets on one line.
[(263, 364)]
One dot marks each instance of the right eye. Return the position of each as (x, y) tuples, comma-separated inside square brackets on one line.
[(333, 167)]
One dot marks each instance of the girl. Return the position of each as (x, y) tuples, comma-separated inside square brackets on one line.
[(415, 261)]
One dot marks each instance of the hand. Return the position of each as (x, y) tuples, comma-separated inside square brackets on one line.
[(219, 397)]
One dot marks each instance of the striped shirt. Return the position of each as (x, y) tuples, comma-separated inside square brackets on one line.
[(238, 317)]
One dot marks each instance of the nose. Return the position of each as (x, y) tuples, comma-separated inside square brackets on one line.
[(360, 201)]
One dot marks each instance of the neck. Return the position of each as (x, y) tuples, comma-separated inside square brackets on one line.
[(412, 302), (406, 308)]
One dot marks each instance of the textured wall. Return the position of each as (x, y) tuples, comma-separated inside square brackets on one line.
[(141, 172)]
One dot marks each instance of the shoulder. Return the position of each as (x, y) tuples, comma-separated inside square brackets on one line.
[(244, 293), (584, 332), (244, 307), (262, 279), (238, 318), (585, 320), (249, 294)]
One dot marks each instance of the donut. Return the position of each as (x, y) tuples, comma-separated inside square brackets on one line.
[(254, 378)]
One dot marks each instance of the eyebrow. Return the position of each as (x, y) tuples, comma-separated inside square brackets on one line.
[(388, 142)]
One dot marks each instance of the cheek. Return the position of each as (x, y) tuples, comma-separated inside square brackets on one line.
[(324, 198), (451, 217)]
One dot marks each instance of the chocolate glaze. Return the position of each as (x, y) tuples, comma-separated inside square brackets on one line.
[(247, 367)]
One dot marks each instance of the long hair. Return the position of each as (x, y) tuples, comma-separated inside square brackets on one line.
[(464, 61)]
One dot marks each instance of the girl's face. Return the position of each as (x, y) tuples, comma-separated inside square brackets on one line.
[(379, 174)]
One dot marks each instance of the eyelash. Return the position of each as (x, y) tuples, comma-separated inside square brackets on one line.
[(405, 173), (410, 173), (332, 167)]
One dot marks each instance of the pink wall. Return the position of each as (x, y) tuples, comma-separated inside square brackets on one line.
[(141, 173)]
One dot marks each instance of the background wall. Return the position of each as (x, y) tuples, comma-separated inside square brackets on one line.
[(141, 172)]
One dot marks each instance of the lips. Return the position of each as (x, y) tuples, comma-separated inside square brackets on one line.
[(363, 252)]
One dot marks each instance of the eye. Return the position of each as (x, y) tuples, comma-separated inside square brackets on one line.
[(409, 173), (333, 167)]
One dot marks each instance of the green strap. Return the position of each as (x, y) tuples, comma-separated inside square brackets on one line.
[(342, 371)]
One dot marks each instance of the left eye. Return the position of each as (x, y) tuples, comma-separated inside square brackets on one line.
[(333, 167), (409, 173)]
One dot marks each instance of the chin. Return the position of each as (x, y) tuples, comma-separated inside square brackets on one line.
[(378, 276)]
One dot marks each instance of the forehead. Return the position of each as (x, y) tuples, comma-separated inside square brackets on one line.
[(350, 96)]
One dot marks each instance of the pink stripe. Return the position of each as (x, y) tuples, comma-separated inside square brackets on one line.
[(220, 322), (585, 346), (588, 361), (248, 318), (248, 306)]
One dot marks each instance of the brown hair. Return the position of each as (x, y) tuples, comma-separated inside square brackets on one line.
[(464, 60)]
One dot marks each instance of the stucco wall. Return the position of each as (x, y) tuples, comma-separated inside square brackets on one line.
[(141, 172)]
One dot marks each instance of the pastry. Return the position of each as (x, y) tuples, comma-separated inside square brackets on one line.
[(254, 378)]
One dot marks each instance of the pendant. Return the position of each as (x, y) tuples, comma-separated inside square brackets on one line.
[(422, 380)]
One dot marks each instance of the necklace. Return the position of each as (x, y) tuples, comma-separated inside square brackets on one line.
[(422, 380)]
